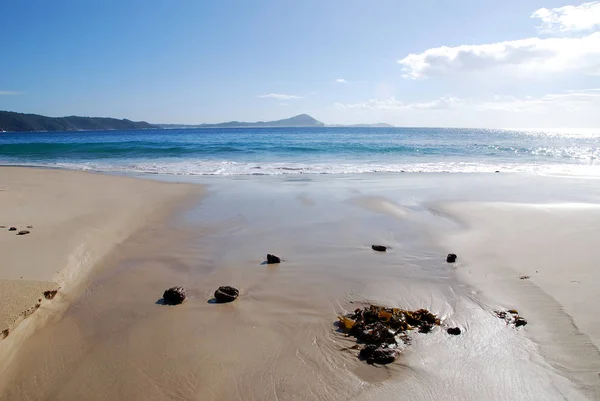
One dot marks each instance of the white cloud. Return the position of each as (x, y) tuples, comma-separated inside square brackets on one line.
[(524, 56), (279, 96), (584, 17), (341, 81), (9, 93)]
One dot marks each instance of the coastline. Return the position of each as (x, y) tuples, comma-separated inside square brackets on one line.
[(74, 219)]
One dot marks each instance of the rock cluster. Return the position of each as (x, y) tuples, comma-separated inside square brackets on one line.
[(451, 258), (174, 295), (381, 329), (50, 294)]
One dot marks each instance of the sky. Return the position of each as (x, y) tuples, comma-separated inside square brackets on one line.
[(461, 63)]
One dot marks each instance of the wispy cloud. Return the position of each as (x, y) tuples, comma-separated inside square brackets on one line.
[(341, 81), (525, 56), (9, 93), (586, 100), (568, 101), (280, 96), (392, 104), (584, 17)]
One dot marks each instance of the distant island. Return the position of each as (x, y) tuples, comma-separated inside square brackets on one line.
[(301, 120), (18, 122)]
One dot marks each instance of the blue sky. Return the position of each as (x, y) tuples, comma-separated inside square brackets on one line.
[(430, 63)]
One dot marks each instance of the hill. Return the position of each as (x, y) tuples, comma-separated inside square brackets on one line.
[(301, 120), (10, 121)]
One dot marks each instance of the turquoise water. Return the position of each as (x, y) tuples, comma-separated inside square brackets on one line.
[(305, 151)]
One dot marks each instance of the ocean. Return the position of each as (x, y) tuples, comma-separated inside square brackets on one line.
[(329, 150)]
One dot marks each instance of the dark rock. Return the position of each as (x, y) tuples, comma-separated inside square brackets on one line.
[(5, 333), (2, 226), (367, 351), (524, 277), (29, 226), (377, 334), (12, 229), (50, 294), (513, 311), (174, 295), (226, 294), (23, 232), (455, 331), (374, 354), (379, 248), (519, 321), (272, 259), (425, 328), (451, 258)]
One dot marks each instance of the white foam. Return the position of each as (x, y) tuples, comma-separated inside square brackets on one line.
[(231, 168)]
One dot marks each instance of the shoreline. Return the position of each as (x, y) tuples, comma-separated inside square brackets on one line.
[(75, 219)]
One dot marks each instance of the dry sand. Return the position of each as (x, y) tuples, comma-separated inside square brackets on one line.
[(278, 340), (75, 219)]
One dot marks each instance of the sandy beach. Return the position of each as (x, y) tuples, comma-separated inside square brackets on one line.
[(279, 341), (74, 219)]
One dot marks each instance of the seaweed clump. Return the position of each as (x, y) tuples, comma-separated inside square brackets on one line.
[(384, 330), (511, 317)]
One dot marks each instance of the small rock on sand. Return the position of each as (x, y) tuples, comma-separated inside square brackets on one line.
[(455, 331), (272, 259), (174, 295), (379, 248), (50, 294), (23, 232), (12, 229), (226, 294), (451, 258)]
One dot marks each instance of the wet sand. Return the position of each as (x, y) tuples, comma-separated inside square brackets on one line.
[(279, 341)]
